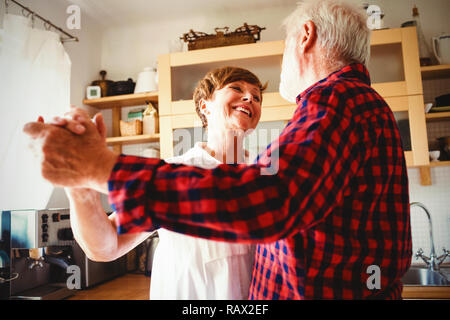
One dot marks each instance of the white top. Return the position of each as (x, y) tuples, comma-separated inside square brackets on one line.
[(187, 267)]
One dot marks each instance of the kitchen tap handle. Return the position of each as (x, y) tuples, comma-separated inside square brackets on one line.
[(444, 256), (419, 253)]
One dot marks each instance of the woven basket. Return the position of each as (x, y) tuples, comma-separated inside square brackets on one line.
[(130, 128), (242, 35)]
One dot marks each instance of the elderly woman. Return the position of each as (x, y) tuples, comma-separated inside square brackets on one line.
[(228, 101)]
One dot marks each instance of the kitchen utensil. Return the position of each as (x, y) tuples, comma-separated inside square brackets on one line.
[(123, 87), (146, 81), (105, 85), (434, 155), (441, 48)]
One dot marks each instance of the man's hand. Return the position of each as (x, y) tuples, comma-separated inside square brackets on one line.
[(74, 119), (73, 159)]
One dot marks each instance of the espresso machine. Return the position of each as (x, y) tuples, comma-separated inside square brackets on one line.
[(42, 254), (5, 255)]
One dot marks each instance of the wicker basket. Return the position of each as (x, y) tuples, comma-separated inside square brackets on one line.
[(222, 38), (130, 128)]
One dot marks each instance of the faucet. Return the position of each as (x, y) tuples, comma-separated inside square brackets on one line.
[(433, 262)]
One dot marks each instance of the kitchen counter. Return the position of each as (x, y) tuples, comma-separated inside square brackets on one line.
[(137, 287), (426, 292), (127, 287)]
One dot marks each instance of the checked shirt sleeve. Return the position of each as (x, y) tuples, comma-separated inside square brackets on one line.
[(318, 155)]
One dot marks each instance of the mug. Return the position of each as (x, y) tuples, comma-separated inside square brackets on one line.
[(441, 45)]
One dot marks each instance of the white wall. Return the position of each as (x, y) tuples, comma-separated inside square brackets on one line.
[(85, 56)]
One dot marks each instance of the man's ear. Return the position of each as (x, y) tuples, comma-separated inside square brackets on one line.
[(307, 36)]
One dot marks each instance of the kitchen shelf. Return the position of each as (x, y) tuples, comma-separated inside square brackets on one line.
[(124, 100), (116, 103), (143, 138), (439, 164), (437, 116), (435, 72)]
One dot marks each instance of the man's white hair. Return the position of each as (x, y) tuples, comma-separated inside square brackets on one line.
[(341, 29)]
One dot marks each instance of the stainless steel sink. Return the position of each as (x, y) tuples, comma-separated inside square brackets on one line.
[(417, 276)]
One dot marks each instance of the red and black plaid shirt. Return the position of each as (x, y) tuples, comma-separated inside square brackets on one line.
[(338, 203)]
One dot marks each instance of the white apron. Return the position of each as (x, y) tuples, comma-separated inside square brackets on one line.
[(190, 268)]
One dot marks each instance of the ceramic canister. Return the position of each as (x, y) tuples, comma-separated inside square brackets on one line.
[(146, 81)]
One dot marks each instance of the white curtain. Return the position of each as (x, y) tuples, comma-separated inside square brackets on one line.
[(34, 80)]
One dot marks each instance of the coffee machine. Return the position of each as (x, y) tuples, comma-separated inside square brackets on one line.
[(41, 243), (5, 255), (40, 251)]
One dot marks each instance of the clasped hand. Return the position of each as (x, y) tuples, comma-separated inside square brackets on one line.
[(72, 150)]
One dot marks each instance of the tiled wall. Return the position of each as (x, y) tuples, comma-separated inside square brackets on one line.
[(436, 199)]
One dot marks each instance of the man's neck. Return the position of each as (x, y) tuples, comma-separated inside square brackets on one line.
[(318, 69)]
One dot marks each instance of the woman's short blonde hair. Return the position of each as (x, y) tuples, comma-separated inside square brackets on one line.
[(341, 29), (218, 78)]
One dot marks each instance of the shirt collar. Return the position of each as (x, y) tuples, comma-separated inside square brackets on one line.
[(352, 71)]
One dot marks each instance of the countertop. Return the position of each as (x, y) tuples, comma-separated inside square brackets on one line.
[(130, 286), (137, 287)]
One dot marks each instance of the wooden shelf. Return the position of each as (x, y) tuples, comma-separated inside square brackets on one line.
[(438, 116), (125, 100), (439, 164), (236, 52), (144, 138), (435, 72), (116, 103)]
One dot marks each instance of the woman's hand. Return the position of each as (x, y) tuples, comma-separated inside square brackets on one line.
[(74, 119)]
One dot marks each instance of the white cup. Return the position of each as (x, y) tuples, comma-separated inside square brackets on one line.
[(441, 48), (434, 155)]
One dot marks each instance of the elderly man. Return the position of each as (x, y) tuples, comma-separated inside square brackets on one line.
[(332, 223)]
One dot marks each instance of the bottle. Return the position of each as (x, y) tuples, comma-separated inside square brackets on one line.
[(424, 50)]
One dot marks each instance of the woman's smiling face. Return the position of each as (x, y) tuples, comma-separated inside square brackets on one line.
[(236, 106)]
